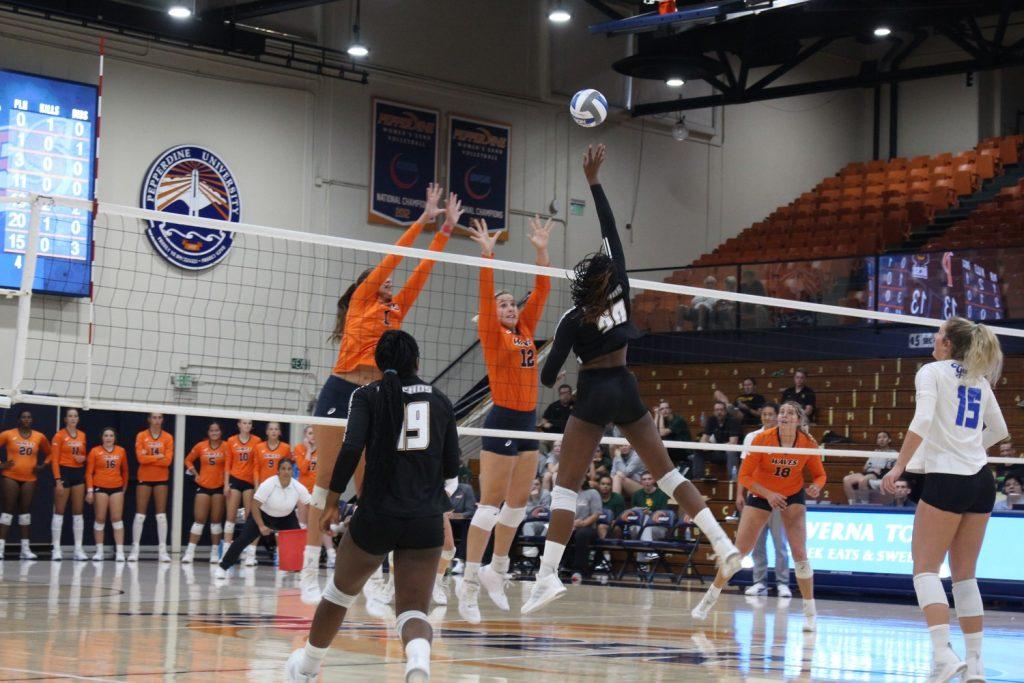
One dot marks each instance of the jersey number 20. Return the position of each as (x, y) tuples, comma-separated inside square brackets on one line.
[(415, 434), (616, 315)]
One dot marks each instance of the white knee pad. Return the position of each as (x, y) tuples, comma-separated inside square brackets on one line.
[(6, 519), (406, 617), (511, 516), (448, 555), (196, 529), (332, 594), (563, 499), (229, 527), (25, 519), (928, 587), (117, 525), (803, 570), (98, 526), (216, 529), (140, 518), (967, 599), (485, 517), (671, 481)]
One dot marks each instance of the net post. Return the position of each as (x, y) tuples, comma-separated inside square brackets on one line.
[(28, 274), (178, 497)]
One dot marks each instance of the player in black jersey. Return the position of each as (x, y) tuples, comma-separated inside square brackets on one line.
[(412, 458), (598, 329)]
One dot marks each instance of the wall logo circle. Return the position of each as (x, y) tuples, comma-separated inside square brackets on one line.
[(191, 181)]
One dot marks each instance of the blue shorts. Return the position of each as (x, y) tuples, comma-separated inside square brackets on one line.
[(334, 397), (515, 420)]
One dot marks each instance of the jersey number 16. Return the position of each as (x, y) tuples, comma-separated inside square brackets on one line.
[(415, 434)]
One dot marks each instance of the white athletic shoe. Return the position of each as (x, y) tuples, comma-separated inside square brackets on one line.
[(119, 557), (214, 555), (292, 672), (164, 555), (250, 557), (810, 623), (373, 587), (98, 556), (56, 555), (189, 557), (332, 558), (387, 591), (757, 589), (133, 556), (784, 591), (309, 587), (545, 590), (494, 584), (727, 557), (80, 555), (440, 594), (27, 554), (975, 672), (946, 666), (468, 593), (706, 604)]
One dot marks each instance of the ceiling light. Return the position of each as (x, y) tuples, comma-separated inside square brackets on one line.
[(559, 15), (882, 31), (181, 10), (675, 82), (679, 131), (357, 49)]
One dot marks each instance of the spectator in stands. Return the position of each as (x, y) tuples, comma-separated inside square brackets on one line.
[(652, 501), (547, 466), (725, 310), (538, 501), (1007, 450), (901, 499), (600, 465), (719, 427), (463, 507), (752, 315), (701, 311), (672, 427), (557, 414), (627, 469), (747, 406), (610, 500), (858, 485), (802, 394), (588, 509), (1014, 493)]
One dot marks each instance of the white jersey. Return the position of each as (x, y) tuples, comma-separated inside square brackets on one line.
[(958, 419), (748, 440)]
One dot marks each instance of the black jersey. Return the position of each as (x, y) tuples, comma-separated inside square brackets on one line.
[(613, 329), (427, 454)]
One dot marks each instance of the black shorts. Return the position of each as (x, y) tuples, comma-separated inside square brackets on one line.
[(72, 476), (608, 395), (379, 534), (209, 492), (760, 503), (142, 482), (240, 484), (960, 493), (334, 397), (109, 491), (515, 420)]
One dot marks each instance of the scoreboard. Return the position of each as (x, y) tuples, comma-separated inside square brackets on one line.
[(47, 147), (941, 285)]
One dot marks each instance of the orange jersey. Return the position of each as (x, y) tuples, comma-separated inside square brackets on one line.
[(155, 456), (511, 355), (106, 469), (782, 473), (305, 461), (210, 472), (267, 459), (240, 456), (24, 453), (68, 451), (368, 317)]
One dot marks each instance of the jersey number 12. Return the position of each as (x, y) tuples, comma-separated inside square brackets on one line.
[(415, 434)]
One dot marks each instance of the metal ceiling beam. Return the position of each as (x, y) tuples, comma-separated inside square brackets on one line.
[(791, 63), (258, 8), (606, 10)]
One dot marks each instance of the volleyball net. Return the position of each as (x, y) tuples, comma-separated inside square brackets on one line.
[(249, 338)]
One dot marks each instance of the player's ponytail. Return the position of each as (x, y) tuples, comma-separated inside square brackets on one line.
[(343, 304), (397, 356), (592, 283), (976, 347)]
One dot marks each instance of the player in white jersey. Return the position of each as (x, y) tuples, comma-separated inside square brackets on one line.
[(956, 421)]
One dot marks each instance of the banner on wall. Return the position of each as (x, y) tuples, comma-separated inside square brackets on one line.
[(478, 169), (403, 161)]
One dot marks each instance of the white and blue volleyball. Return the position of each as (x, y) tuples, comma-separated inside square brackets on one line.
[(588, 108)]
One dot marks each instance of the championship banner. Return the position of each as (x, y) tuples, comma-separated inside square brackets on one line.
[(403, 161), (478, 169)]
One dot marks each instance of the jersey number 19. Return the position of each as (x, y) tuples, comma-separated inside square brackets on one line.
[(415, 434)]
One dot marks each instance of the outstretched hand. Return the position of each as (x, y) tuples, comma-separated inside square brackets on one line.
[(539, 235), (432, 208), (452, 213), (479, 233), (592, 160)]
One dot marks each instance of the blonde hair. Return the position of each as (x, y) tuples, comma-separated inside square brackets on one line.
[(976, 347), (805, 424)]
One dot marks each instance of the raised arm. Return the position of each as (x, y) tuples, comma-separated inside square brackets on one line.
[(592, 161), (418, 278), (540, 233), (565, 333)]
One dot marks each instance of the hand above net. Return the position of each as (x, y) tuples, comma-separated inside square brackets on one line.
[(432, 208), (452, 213), (479, 233), (592, 160)]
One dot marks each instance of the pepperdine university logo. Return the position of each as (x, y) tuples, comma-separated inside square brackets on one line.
[(191, 181)]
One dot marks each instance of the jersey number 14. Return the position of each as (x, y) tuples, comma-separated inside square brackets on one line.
[(415, 434)]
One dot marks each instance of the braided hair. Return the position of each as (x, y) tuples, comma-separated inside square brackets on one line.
[(397, 356), (592, 283)]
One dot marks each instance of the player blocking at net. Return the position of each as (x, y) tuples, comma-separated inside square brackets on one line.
[(366, 310), (598, 329), (411, 442), (507, 466)]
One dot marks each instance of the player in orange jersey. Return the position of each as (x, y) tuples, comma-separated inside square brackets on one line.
[(154, 449), (776, 481), (20, 447), (238, 486), (209, 503), (306, 463), (365, 311), (507, 466), (106, 477), (69, 453), (269, 454)]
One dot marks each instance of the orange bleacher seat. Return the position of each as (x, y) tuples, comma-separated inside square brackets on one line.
[(944, 159), (920, 173), (1009, 150), (920, 187), (874, 191), (966, 179), (943, 187), (853, 180), (989, 164), (832, 183), (831, 194), (919, 162), (876, 165), (852, 193), (827, 208), (895, 190), (854, 167), (898, 175), (876, 178)]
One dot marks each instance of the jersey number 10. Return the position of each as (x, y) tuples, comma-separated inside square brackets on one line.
[(415, 434), (969, 410), (616, 315)]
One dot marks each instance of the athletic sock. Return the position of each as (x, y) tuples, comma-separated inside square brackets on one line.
[(809, 607), (417, 651), (311, 558), (78, 526), (940, 639), (499, 563), (471, 572), (161, 528), (312, 657), (713, 592), (552, 557), (137, 525), (972, 643), (56, 527), (707, 523)]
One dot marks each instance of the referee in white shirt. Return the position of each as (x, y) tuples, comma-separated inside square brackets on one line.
[(273, 509)]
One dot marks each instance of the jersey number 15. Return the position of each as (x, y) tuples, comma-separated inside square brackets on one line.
[(968, 413), (415, 434)]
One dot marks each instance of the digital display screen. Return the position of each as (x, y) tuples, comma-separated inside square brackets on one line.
[(842, 540), (47, 147), (941, 285)]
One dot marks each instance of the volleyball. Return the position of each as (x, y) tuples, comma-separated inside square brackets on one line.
[(588, 108)]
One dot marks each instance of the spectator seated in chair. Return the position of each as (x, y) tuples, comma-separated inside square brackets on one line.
[(627, 467), (1012, 490), (858, 485), (719, 427)]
